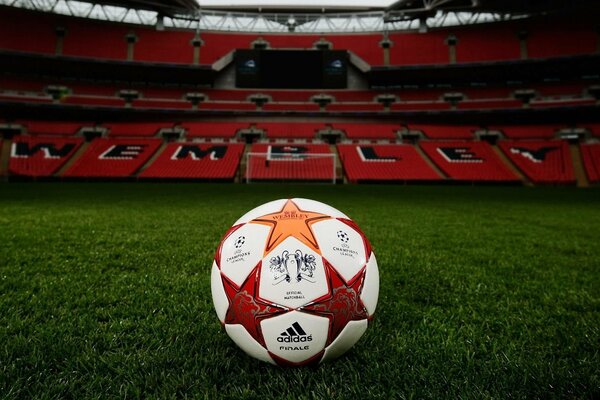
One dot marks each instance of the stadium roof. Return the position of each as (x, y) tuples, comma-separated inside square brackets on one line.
[(307, 16)]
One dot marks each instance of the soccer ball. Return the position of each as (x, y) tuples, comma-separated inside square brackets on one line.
[(295, 282)]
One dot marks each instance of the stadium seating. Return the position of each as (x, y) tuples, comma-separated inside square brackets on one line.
[(27, 32), (286, 162), (368, 130), (40, 156), (213, 129), (196, 161), (590, 154), (419, 49), (392, 162), (445, 131), (487, 43), (290, 129), (140, 129), (528, 131), (168, 46), (113, 158), (54, 128), (468, 161), (162, 104), (286, 107), (94, 101), (542, 161)]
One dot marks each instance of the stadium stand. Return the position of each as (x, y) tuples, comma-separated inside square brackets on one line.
[(542, 161), (213, 129), (368, 130), (417, 49), (141, 129), (468, 161), (290, 129), (444, 131), (40, 156), (287, 162), (26, 31), (528, 131), (186, 160), (172, 46), (114, 158), (94, 39), (591, 160), (379, 163), (54, 128)]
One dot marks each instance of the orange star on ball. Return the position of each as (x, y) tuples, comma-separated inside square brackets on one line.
[(291, 221)]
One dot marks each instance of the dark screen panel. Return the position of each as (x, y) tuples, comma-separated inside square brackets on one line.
[(291, 69)]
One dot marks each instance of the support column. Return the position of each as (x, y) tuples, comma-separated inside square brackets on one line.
[(131, 39), (61, 32), (386, 44), (451, 42), (523, 35), (197, 43)]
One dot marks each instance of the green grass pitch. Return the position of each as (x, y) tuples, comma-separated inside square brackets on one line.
[(486, 292)]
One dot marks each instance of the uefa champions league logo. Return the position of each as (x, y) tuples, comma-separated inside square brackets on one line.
[(304, 265)]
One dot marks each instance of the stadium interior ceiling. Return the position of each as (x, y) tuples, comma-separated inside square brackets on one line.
[(406, 9)]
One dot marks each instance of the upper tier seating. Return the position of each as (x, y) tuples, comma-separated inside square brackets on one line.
[(40, 156), (468, 161), (528, 131), (128, 129), (27, 31), (116, 158), (542, 161), (368, 131), (286, 162), (290, 129), (590, 154), (392, 162), (54, 128), (213, 129), (196, 161)]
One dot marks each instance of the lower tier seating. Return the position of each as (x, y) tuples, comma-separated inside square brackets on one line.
[(542, 161), (590, 154), (392, 162), (290, 162), (113, 158), (468, 161), (39, 156), (290, 130), (196, 161), (368, 131), (444, 131), (213, 129)]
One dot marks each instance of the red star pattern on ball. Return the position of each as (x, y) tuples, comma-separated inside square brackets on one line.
[(246, 308), (343, 304), (291, 221)]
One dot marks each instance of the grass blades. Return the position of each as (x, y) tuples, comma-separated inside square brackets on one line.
[(486, 292)]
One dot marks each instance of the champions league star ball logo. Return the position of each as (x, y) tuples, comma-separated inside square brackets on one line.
[(343, 236), (239, 242), (295, 282)]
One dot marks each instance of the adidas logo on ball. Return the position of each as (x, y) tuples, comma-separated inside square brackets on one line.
[(294, 334)]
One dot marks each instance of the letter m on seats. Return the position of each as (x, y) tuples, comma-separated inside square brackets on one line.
[(194, 151), (50, 150)]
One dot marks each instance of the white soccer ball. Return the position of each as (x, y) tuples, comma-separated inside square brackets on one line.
[(295, 282)]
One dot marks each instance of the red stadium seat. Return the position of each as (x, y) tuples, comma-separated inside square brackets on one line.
[(445, 131), (590, 154), (286, 162), (368, 131), (290, 130), (168, 46), (162, 104), (54, 128), (196, 161), (291, 107), (494, 104), (357, 107), (94, 101), (115, 158), (528, 131), (139, 129), (213, 129), (420, 106), (419, 49), (26, 31), (40, 156), (393, 162), (468, 161), (542, 161)]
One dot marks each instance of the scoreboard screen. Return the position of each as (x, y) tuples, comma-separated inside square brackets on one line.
[(291, 69)]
